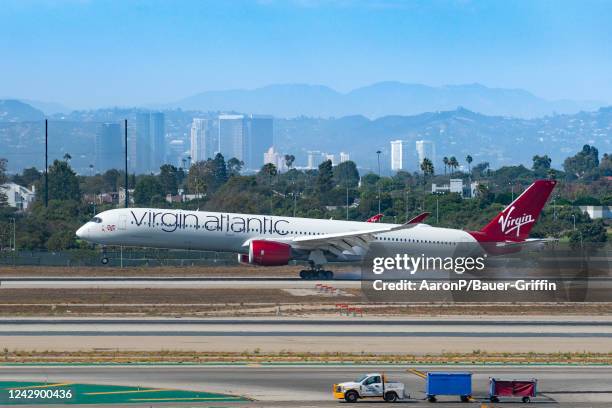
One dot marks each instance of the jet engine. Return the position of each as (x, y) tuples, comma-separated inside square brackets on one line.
[(266, 253)]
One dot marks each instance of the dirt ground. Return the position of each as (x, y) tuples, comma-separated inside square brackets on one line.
[(250, 302), (195, 357), (157, 271)]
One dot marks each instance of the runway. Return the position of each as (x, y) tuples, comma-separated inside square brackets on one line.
[(293, 385), (401, 336)]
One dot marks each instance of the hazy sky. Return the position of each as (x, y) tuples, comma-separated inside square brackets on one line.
[(99, 53)]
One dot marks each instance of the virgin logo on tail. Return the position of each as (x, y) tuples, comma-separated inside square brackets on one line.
[(509, 224)]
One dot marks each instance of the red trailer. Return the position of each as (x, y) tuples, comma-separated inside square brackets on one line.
[(526, 389)]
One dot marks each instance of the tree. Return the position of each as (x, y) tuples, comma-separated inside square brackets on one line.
[(485, 196), (453, 163), (469, 160), (584, 164), (481, 169), (289, 159), (219, 170), (29, 177), (325, 177), (445, 161), (346, 174), (200, 177), (63, 182), (234, 166), (427, 167), (268, 171), (541, 164), (111, 179), (591, 232), (67, 157), (148, 189), (168, 178), (605, 166)]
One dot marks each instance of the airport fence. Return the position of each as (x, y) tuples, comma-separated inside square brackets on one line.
[(116, 258)]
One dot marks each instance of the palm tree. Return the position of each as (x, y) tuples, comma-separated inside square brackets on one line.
[(67, 157), (453, 163), (445, 161), (469, 161), (427, 167), (289, 159)]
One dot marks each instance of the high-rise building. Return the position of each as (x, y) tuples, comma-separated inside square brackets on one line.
[(399, 155), (158, 137), (150, 141), (175, 153), (277, 159), (315, 157), (331, 157), (344, 157), (426, 149), (204, 142), (246, 138), (258, 136), (109, 147), (232, 136), (143, 142)]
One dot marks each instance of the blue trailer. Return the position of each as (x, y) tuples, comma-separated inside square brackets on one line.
[(440, 383)]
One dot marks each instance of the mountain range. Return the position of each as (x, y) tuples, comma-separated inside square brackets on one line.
[(379, 99)]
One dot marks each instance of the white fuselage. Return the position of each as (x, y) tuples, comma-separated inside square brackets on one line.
[(228, 232)]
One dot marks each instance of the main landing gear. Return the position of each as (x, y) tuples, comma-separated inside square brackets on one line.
[(316, 272)]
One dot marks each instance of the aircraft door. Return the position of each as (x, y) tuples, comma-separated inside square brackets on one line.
[(122, 225)]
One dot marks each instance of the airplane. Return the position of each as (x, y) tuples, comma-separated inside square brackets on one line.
[(269, 240)]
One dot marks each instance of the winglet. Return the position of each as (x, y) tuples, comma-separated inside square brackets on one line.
[(419, 218), (375, 218)]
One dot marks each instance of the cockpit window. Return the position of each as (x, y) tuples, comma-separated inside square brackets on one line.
[(97, 220)]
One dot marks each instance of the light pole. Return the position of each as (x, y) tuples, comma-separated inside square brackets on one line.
[(14, 236), (406, 205), (347, 201), (574, 218), (512, 190), (378, 152), (91, 167)]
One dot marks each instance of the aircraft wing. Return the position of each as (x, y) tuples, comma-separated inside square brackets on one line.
[(343, 241)]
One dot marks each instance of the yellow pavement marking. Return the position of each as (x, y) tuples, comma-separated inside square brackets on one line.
[(38, 386), (417, 372), (125, 392), (185, 399)]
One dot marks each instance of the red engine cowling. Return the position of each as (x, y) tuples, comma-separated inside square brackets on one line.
[(269, 253), (243, 259)]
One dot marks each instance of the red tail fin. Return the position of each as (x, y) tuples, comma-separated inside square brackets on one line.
[(516, 220)]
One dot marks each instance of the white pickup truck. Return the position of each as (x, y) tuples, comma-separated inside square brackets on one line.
[(370, 386)]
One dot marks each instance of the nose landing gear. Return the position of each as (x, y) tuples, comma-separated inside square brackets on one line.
[(104, 259)]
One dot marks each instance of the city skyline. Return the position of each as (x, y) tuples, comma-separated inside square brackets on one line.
[(556, 50)]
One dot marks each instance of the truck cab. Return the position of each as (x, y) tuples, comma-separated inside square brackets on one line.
[(374, 385)]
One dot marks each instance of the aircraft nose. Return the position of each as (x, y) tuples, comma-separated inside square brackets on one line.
[(82, 232)]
